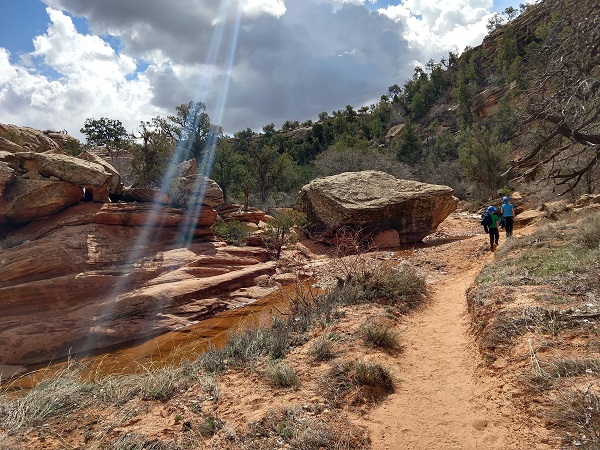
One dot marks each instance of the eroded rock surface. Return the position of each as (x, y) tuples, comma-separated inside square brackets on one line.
[(91, 279), (35, 185), (376, 201), (15, 139), (81, 273)]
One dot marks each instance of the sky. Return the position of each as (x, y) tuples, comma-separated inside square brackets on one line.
[(251, 62)]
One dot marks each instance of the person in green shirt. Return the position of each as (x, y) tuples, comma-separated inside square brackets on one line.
[(493, 227)]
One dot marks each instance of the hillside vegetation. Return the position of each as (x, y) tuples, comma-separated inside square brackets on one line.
[(521, 107), (536, 313)]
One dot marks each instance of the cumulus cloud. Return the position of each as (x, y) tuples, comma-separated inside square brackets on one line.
[(436, 27), (275, 60), (69, 77)]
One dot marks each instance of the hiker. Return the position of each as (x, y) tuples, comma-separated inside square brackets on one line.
[(489, 220), (508, 215)]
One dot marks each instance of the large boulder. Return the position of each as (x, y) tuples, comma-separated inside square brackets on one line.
[(375, 201), (66, 168), (190, 192), (35, 185), (194, 190), (115, 185), (7, 176)]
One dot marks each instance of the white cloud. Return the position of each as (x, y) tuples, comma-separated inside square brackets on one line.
[(256, 7), (75, 77), (436, 27), (276, 61)]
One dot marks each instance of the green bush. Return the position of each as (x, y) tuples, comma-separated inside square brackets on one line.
[(72, 146), (233, 232)]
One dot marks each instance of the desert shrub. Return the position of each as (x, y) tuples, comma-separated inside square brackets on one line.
[(283, 375), (138, 441), (577, 412), (281, 230), (162, 383), (572, 367), (233, 232), (379, 335), (309, 306), (281, 337), (244, 346), (210, 426), (322, 348), (401, 287), (72, 146), (117, 389), (589, 234), (373, 374), (213, 360), (362, 381), (299, 428), (503, 329)]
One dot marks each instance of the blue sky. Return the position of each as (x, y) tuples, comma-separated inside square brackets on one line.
[(252, 62)]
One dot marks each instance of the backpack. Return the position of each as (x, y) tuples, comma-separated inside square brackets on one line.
[(486, 220)]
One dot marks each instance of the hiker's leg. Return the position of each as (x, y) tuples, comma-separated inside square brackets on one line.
[(491, 233), (509, 226)]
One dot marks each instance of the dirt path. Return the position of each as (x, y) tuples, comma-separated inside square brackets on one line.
[(444, 399)]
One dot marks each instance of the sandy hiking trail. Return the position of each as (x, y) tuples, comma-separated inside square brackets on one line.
[(445, 399)]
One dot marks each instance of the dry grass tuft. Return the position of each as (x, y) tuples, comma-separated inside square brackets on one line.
[(357, 383), (577, 412), (303, 428), (380, 335), (58, 394), (282, 374), (322, 348)]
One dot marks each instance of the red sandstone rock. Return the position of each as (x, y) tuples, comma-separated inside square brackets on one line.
[(26, 199), (90, 285)]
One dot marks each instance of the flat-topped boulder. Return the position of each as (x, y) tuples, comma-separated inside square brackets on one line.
[(375, 201)]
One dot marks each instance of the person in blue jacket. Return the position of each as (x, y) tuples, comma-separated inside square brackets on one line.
[(508, 215)]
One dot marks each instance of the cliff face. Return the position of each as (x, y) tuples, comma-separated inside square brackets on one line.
[(80, 272)]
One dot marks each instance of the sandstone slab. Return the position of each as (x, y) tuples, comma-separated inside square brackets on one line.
[(87, 286), (25, 199), (18, 139)]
